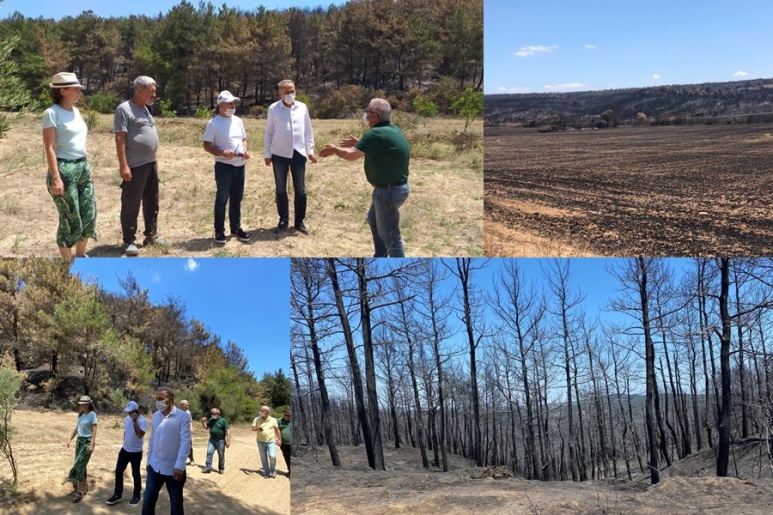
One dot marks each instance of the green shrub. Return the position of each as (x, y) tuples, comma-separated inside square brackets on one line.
[(469, 104), (425, 107), (203, 114), (166, 108), (104, 103)]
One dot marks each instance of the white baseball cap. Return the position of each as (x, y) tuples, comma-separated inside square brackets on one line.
[(131, 407), (226, 96)]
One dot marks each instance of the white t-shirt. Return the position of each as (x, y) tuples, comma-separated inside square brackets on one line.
[(132, 442), (71, 131), (226, 134)]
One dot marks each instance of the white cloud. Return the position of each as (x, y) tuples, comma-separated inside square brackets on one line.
[(572, 85), (590, 47), (512, 90), (191, 265), (740, 73), (530, 50), (656, 77)]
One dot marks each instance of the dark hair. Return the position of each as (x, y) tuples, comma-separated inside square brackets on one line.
[(90, 409), (56, 94), (169, 391)]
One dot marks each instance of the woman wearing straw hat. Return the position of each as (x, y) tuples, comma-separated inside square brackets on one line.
[(69, 176), (86, 430)]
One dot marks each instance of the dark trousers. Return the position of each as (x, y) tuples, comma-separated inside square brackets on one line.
[(286, 452), (125, 458), (153, 487), (190, 454), (297, 167), (230, 190), (142, 189)]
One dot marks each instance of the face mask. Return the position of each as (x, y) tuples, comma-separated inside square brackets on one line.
[(289, 98), (161, 405), (365, 118), (215, 417), (230, 112)]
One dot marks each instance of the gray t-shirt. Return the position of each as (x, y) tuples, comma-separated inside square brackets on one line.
[(141, 135)]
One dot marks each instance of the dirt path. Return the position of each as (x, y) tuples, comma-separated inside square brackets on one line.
[(44, 462)]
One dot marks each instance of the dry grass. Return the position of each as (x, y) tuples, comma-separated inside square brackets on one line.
[(442, 217)]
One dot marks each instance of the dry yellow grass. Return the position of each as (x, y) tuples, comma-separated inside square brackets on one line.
[(442, 217)]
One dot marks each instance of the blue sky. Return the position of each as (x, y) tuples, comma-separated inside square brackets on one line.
[(113, 8), (566, 45), (243, 300)]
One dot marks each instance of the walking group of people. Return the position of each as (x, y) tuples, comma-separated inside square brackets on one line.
[(288, 145), (169, 446)]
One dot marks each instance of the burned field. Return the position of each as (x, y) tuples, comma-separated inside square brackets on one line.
[(656, 191)]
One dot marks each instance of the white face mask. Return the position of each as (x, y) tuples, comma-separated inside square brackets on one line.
[(289, 98), (230, 112), (365, 118), (161, 405)]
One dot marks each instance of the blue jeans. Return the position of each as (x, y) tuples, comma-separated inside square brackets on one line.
[(384, 220), (220, 446), (268, 457), (230, 186), (153, 486), (125, 458), (297, 167)]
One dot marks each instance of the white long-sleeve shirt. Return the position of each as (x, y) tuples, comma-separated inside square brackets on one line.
[(288, 129), (170, 441)]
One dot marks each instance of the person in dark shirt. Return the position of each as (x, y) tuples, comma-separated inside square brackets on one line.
[(219, 438)]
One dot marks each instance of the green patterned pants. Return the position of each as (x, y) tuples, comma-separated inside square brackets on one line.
[(77, 206), (82, 457)]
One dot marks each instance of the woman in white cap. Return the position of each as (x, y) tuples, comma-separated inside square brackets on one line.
[(86, 431), (69, 176)]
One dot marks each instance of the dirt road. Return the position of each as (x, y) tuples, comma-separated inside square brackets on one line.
[(43, 461)]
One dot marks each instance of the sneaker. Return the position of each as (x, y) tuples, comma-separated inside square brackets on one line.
[(192, 463), (221, 471), (220, 240), (207, 470), (301, 227), (282, 227), (153, 240), (135, 500), (114, 499), (273, 474), (131, 250), (243, 236)]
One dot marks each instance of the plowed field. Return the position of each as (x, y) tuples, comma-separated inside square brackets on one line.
[(658, 191)]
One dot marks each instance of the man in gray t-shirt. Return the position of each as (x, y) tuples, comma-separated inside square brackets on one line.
[(136, 142)]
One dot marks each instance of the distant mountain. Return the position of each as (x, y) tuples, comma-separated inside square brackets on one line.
[(713, 102)]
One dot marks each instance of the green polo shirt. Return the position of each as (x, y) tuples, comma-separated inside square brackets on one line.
[(286, 430), (386, 154), (217, 428)]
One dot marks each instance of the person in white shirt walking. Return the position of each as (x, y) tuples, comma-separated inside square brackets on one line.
[(135, 427), (226, 139), (184, 406), (289, 143), (168, 446)]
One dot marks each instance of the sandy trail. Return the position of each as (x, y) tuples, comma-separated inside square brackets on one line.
[(43, 463)]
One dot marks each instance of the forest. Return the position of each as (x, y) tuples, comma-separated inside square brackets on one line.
[(512, 363), (746, 101), (338, 56), (71, 337)]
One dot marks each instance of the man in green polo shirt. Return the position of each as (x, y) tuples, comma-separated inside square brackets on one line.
[(387, 156), (219, 438), (286, 430)]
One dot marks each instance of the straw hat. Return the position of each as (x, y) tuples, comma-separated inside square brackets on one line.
[(85, 399), (65, 80)]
